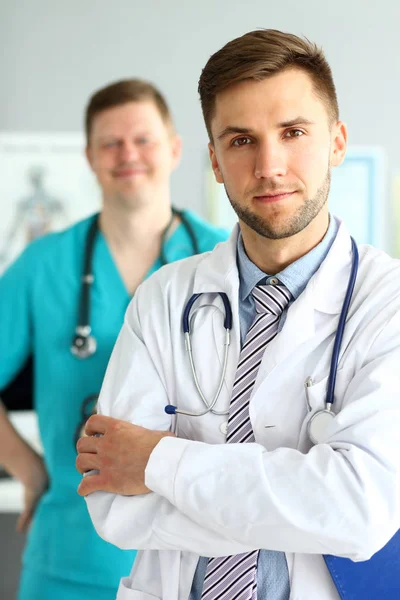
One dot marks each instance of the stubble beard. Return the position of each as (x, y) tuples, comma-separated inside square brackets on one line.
[(303, 216)]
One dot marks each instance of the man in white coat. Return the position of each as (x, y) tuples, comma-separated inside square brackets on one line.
[(246, 482)]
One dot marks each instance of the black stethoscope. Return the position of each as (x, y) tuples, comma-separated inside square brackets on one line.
[(319, 422), (84, 344)]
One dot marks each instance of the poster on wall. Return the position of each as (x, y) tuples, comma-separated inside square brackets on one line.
[(357, 196), (45, 185)]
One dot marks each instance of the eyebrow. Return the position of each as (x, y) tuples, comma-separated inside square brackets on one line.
[(107, 137), (232, 130), (244, 130), (297, 121)]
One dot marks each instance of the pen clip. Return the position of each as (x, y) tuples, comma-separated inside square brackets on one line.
[(307, 384)]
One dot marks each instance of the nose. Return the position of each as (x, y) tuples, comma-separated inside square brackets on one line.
[(270, 160), (128, 152)]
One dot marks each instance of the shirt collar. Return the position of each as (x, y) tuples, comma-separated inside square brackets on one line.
[(295, 276)]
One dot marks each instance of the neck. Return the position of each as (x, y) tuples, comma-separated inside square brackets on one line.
[(273, 256), (138, 228)]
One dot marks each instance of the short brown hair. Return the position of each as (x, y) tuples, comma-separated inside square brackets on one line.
[(122, 92), (258, 55)]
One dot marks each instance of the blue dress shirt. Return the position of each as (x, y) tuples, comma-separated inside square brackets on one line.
[(272, 574)]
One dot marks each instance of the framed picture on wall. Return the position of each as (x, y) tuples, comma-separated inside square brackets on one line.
[(45, 185), (357, 195)]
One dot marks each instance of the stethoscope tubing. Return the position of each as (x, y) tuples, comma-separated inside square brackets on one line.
[(170, 409), (209, 407), (83, 344), (341, 327)]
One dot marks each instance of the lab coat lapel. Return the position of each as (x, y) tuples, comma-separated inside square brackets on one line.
[(234, 348), (306, 318), (324, 294), (330, 281), (219, 273)]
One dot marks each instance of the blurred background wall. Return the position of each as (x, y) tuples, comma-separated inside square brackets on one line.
[(55, 54)]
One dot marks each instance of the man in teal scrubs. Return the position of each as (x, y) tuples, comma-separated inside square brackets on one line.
[(132, 148)]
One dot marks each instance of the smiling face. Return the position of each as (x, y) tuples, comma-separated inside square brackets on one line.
[(273, 147), (132, 152)]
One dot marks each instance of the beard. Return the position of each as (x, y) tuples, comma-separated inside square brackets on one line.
[(294, 223)]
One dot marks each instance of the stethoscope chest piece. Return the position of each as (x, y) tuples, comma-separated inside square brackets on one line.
[(83, 345), (319, 424)]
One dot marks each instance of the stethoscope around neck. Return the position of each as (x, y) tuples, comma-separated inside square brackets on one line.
[(320, 420), (84, 344), (186, 330)]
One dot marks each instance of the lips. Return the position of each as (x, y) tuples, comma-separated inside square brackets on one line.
[(128, 172), (274, 197)]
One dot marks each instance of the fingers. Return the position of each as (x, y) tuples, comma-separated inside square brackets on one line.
[(92, 483), (98, 424), (87, 462), (87, 444)]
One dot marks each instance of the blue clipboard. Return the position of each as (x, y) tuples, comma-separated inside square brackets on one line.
[(375, 579)]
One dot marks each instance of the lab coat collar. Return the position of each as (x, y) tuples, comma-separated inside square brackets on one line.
[(325, 292), (218, 272), (328, 285)]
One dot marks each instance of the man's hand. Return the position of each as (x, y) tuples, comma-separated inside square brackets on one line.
[(119, 455)]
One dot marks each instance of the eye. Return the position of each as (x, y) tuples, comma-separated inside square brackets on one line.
[(111, 144), (143, 140), (242, 141), (293, 133)]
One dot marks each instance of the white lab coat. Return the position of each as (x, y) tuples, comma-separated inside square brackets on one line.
[(340, 497)]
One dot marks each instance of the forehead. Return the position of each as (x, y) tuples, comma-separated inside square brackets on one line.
[(278, 98), (143, 115)]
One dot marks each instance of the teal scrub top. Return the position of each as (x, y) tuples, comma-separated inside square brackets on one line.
[(39, 297)]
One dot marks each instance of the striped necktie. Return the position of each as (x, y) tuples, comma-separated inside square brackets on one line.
[(235, 577)]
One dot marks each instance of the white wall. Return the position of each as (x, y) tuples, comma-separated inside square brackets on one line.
[(53, 55)]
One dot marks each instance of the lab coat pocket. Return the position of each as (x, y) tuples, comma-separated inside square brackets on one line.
[(315, 394), (125, 593)]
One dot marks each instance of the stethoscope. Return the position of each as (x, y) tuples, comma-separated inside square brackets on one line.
[(84, 344), (319, 422)]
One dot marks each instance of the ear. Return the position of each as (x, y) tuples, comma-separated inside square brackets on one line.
[(176, 147), (214, 164), (339, 143)]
